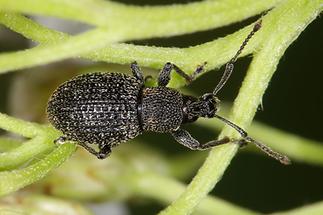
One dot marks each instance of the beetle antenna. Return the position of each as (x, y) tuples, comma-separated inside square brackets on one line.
[(230, 65), (281, 158)]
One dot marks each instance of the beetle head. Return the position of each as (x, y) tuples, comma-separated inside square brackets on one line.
[(204, 106), (208, 105)]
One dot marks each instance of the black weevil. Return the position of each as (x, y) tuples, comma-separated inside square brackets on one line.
[(109, 108)]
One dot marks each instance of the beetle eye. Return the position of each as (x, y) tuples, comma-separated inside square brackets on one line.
[(207, 96)]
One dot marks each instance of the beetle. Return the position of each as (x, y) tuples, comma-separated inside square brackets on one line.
[(105, 109)]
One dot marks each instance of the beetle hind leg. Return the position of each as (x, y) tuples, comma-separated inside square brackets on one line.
[(104, 149)]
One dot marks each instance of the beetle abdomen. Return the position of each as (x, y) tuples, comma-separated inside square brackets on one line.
[(97, 108)]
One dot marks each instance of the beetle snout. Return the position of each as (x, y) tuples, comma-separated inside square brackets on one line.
[(210, 103)]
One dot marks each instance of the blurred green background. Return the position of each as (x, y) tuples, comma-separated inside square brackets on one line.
[(293, 102)]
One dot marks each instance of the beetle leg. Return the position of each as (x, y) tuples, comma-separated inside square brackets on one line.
[(184, 138), (136, 71), (164, 75), (190, 78), (214, 143), (280, 157), (104, 152)]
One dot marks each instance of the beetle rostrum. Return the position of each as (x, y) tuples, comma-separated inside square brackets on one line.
[(105, 109)]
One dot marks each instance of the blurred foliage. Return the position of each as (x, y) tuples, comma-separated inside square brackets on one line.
[(24, 203)]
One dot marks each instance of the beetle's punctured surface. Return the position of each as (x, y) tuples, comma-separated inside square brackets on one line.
[(99, 108), (105, 109), (161, 109)]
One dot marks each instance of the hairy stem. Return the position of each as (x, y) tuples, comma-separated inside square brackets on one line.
[(13, 180), (151, 21)]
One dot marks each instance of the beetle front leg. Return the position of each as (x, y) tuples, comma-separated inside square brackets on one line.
[(136, 71), (190, 78), (164, 76), (184, 138)]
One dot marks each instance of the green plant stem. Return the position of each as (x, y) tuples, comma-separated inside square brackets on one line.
[(11, 181), (42, 141), (73, 47), (312, 209), (24, 153), (216, 53), (31, 29), (26, 129), (290, 18), (153, 186), (161, 19), (149, 20), (7, 144), (80, 10)]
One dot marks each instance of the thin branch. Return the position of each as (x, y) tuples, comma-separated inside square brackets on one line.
[(26, 152), (13, 180), (313, 209), (216, 53), (26, 129), (149, 20)]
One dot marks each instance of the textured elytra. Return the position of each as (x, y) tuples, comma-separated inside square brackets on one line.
[(99, 108), (161, 109)]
